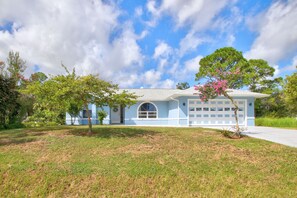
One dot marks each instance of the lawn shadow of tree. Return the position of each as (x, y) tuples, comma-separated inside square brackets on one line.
[(8, 137), (16, 140), (114, 132)]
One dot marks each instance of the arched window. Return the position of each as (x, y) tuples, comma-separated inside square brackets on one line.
[(147, 110)]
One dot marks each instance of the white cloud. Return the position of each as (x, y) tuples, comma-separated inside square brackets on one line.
[(230, 40), (138, 11), (190, 42), (277, 32), (192, 65), (185, 71), (292, 66), (196, 13), (277, 71), (77, 33), (168, 83), (151, 77), (162, 50)]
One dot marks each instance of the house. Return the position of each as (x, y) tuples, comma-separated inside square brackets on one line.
[(174, 107)]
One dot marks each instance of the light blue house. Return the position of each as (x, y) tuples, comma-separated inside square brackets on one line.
[(174, 107)]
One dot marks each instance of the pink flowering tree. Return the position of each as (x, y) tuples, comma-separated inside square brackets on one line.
[(222, 71)]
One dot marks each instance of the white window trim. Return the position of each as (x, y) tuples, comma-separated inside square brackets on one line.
[(157, 111)]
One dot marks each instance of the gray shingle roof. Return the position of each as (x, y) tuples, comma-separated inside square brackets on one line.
[(167, 94)]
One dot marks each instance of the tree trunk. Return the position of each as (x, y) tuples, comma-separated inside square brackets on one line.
[(89, 120), (237, 129)]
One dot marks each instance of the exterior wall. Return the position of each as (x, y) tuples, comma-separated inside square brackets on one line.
[(250, 112), (183, 110), (131, 114), (173, 113), (79, 120), (170, 113)]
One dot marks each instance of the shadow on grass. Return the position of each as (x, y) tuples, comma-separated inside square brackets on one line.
[(18, 136), (8, 141), (114, 132)]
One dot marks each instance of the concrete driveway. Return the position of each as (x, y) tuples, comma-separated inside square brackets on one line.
[(282, 136)]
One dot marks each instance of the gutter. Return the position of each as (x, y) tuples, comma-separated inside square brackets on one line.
[(178, 110)]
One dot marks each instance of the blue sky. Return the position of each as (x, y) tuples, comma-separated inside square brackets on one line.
[(146, 43)]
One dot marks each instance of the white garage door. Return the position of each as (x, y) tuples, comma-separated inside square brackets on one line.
[(215, 112)]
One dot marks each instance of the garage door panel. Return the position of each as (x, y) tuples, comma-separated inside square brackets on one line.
[(215, 112)]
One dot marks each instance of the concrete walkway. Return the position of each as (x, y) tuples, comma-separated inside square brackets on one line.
[(282, 136)]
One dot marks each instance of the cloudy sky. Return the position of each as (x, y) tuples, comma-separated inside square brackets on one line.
[(146, 43)]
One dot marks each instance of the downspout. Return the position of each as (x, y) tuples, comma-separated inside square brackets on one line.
[(177, 109)]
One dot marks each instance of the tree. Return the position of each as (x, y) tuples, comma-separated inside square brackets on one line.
[(290, 93), (182, 85), (38, 76), (274, 105), (47, 105), (227, 69), (260, 74), (11, 74), (9, 106), (2, 68), (62, 93), (15, 66), (92, 90)]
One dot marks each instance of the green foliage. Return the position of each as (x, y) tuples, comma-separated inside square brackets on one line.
[(277, 122), (71, 93), (47, 106), (9, 105), (38, 77), (15, 66), (225, 69), (34, 124), (16, 125), (101, 115), (274, 105), (13, 70), (222, 64), (261, 71), (290, 93), (73, 109), (182, 85), (2, 68)]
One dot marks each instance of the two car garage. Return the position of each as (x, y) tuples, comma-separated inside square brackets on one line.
[(216, 112)]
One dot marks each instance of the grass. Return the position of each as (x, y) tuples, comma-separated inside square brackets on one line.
[(142, 162), (277, 122)]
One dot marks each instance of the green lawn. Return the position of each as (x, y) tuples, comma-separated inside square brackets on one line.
[(277, 122), (142, 162)]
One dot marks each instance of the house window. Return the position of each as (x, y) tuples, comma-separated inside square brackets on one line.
[(85, 113), (147, 110)]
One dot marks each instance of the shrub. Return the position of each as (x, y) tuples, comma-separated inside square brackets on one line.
[(101, 115), (13, 126)]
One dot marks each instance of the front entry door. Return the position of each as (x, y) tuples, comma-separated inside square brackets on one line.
[(115, 115)]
